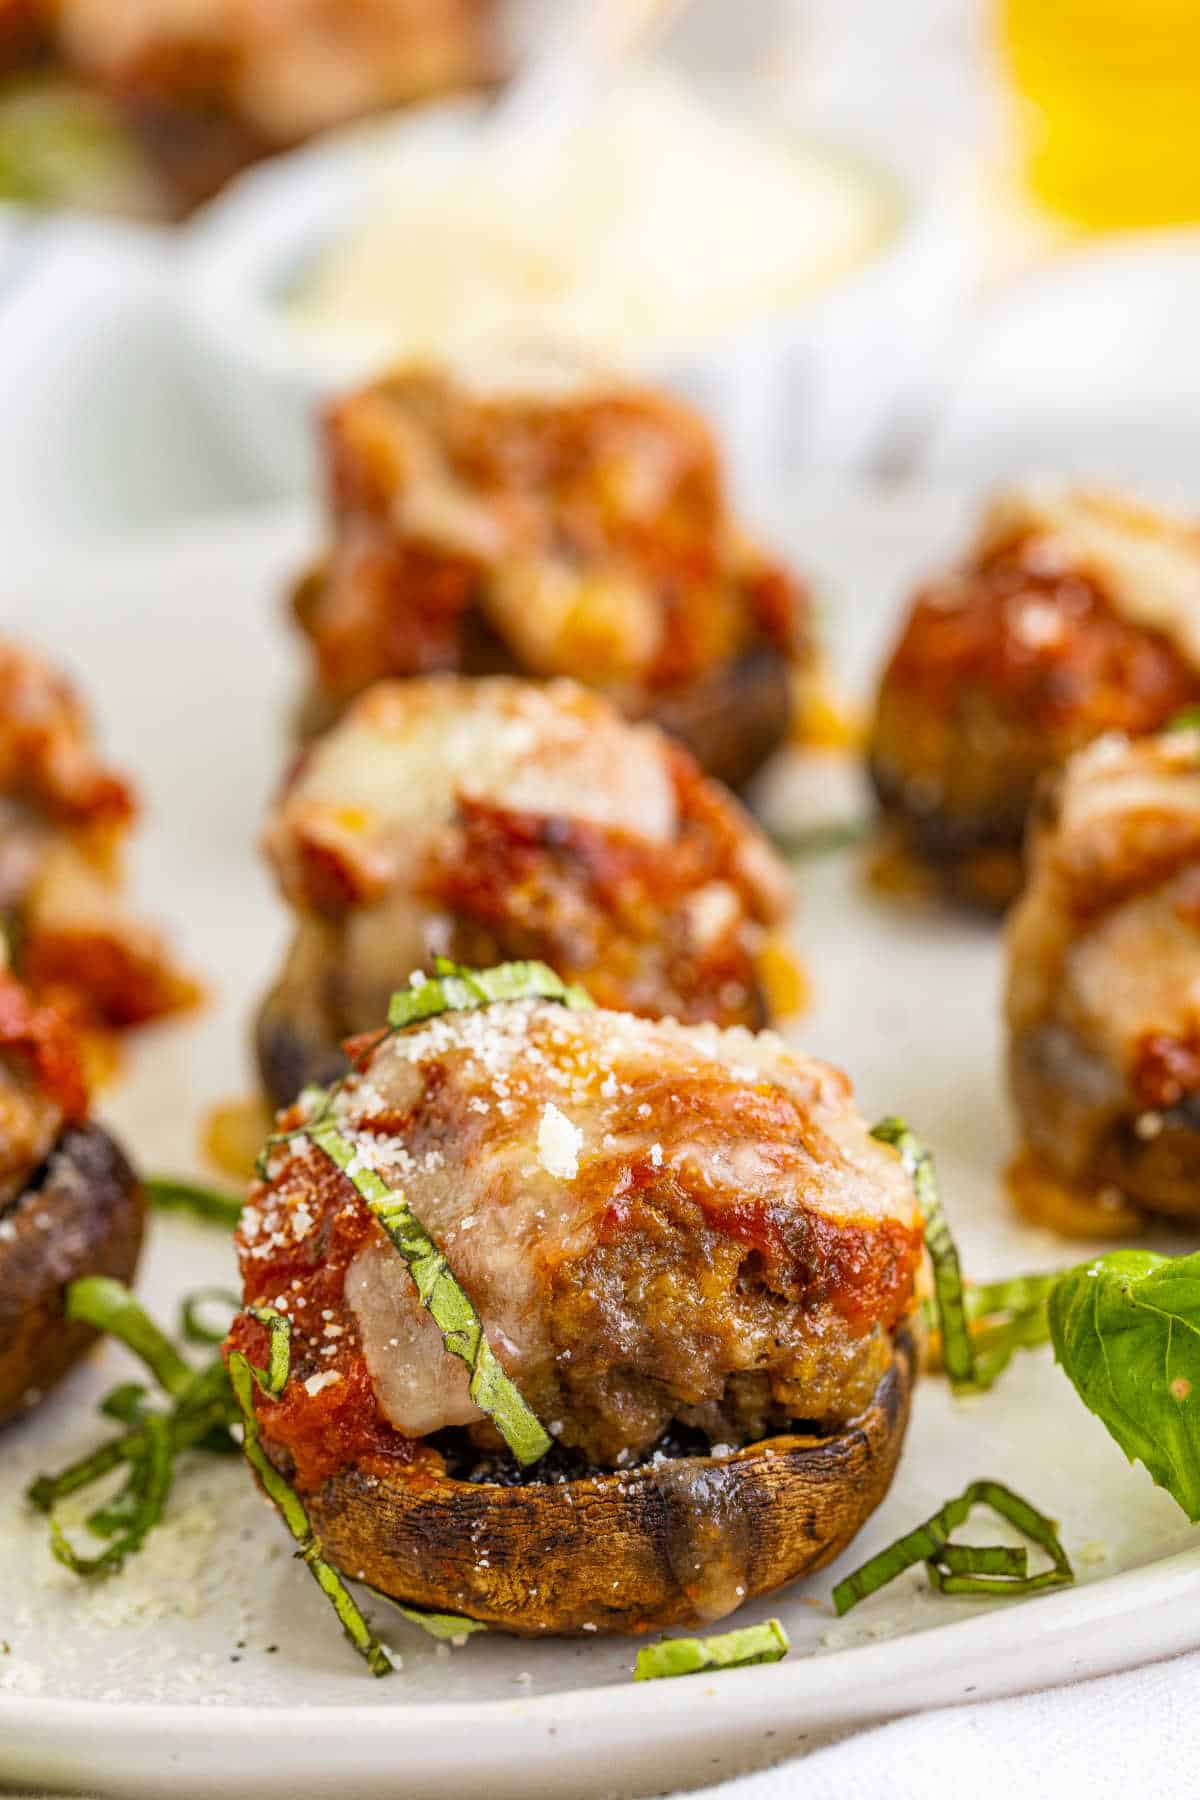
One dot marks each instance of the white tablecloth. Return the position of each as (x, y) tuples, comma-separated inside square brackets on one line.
[(1133, 1735)]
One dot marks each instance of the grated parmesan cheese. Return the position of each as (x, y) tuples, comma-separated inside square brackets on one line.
[(558, 1143)]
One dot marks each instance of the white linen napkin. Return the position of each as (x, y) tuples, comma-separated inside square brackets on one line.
[(102, 426), (1135, 1734)]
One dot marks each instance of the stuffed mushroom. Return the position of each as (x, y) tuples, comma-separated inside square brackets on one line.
[(1103, 998), (549, 520), (495, 819), (65, 817), (688, 1256), (69, 1202), (1075, 613), (211, 87)]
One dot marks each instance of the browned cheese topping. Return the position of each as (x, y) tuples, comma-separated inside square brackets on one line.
[(566, 525), (1075, 614), (658, 1223), (496, 820), (1104, 963)]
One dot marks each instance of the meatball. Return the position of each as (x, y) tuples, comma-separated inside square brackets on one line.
[(564, 524), (1103, 1002), (69, 1202), (1074, 614), (64, 819), (497, 819), (211, 87), (660, 1226)]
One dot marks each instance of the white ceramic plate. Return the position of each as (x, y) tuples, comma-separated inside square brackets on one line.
[(211, 1666)]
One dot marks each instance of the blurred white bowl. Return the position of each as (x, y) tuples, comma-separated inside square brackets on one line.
[(820, 385), (1087, 367)]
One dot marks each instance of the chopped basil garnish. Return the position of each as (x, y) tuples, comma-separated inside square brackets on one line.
[(1002, 1316), (827, 839), (443, 1298), (166, 1194), (108, 1305), (999, 1571), (454, 988), (138, 1507), (731, 1650), (447, 1628), (272, 1380), (192, 1325), (958, 1356)]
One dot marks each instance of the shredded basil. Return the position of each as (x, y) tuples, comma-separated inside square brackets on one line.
[(447, 1628), (108, 1305), (166, 1194), (731, 1650), (827, 839), (127, 1402), (452, 988), (137, 1508), (201, 1413), (990, 1570), (958, 1356), (245, 1376), (191, 1324), (455, 988), (1002, 1316), (443, 1298)]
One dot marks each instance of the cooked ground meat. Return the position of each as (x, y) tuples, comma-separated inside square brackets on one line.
[(64, 818), (566, 526), (659, 1224), (495, 819), (1104, 975), (1068, 620)]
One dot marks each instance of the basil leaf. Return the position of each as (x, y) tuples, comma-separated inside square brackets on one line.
[(1126, 1330), (731, 1650)]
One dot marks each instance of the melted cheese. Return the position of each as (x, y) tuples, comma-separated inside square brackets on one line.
[(1146, 562), (1117, 793), (1104, 941), (1136, 972), (519, 1142), (374, 792)]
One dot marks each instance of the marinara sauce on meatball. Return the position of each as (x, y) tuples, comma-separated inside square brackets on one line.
[(65, 819), (1075, 613), (498, 819)]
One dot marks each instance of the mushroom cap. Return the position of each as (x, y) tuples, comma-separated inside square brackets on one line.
[(84, 1217), (674, 1542)]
